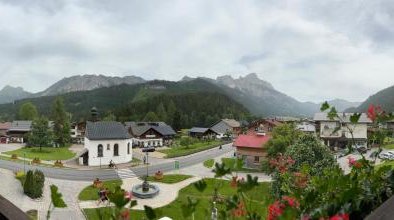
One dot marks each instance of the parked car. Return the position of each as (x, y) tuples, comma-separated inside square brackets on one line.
[(362, 150), (386, 156)]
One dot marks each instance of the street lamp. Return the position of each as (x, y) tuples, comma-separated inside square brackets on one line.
[(24, 163)]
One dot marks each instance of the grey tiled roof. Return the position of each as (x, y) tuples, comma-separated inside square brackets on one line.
[(139, 128), (106, 130), (322, 116), (198, 130), (20, 126)]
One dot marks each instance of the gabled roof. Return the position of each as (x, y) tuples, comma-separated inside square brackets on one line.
[(139, 128), (106, 130), (232, 123), (251, 140), (5, 125), (198, 130), (345, 117), (20, 126)]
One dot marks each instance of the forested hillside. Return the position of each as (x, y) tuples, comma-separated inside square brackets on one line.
[(196, 102), (384, 98)]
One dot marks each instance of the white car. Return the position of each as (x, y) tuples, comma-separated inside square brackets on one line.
[(386, 156)]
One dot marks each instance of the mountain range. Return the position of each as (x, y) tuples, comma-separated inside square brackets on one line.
[(258, 96)]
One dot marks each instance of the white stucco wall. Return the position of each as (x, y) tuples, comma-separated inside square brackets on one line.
[(108, 152), (359, 130), (152, 142)]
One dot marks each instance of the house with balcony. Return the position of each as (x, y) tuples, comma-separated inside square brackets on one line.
[(77, 132), (263, 126), (226, 127), (150, 134), (306, 126), (335, 133), (3, 132)]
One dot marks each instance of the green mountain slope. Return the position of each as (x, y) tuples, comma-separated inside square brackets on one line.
[(198, 102), (384, 98)]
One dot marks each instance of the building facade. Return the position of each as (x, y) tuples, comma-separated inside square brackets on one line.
[(227, 126), (150, 134), (250, 148), (106, 142), (335, 133)]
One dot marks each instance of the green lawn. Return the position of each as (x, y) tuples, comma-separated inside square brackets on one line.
[(386, 163), (178, 151), (91, 193), (259, 200), (47, 153), (390, 146), (231, 163), (209, 163), (170, 178)]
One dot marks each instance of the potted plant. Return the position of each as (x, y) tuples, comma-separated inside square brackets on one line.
[(159, 175)]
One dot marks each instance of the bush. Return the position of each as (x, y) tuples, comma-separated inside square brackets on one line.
[(36, 160), (58, 163), (14, 156), (57, 197), (34, 184)]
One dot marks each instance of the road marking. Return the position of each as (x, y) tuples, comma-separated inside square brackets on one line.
[(125, 173)]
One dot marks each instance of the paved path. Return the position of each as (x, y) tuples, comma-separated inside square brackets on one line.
[(106, 174), (168, 193), (12, 190), (9, 147)]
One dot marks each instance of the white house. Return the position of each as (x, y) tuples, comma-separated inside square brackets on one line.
[(336, 132), (106, 141)]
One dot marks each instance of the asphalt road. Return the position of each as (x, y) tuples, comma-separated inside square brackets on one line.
[(106, 174)]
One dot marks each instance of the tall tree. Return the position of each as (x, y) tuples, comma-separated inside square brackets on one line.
[(171, 108), (176, 121), (41, 135), (61, 123), (161, 112), (27, 111), (151, 117)]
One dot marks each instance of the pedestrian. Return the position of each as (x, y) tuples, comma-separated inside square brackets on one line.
[(144, 159)]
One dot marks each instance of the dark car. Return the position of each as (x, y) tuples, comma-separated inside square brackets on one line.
[(148, 149)]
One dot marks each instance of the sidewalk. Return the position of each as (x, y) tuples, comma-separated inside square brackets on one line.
[(12, 190), (168, 193)]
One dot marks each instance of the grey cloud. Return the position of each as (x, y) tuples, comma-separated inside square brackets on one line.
[(292, 44)]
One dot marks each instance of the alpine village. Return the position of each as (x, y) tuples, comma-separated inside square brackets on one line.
[(172, 114)]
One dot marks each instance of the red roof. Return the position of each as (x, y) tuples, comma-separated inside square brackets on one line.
[(5, 126), (251, 141)]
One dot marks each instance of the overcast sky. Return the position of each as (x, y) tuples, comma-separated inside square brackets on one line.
[(311, 50)]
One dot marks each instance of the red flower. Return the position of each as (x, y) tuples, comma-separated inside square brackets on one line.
[(240, 210), (291, 201), (234, 182), (125, 214), (275, 210), (343, 216), (357, 164), (371, 112)]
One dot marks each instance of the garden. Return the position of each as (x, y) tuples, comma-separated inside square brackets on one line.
[(47, 153), (187, 145)]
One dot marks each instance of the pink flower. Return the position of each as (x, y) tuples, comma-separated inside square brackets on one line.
[(343, 216), (351, 161)]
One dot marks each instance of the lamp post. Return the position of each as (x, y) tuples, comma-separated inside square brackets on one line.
[(24, 163)]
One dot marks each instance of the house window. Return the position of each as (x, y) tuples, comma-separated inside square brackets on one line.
[(108, 147), (128, 148), (116, 150), (256, 159), (100, 150)]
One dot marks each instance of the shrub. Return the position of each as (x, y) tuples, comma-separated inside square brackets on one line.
[(57, 197), (58, 163), (34, 184), (14, 156), (36, 160)]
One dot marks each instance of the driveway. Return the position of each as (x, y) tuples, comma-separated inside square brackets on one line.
[(344, 161), (10, 147)]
